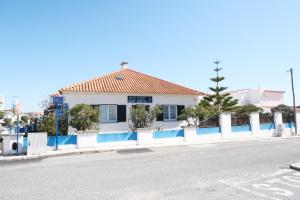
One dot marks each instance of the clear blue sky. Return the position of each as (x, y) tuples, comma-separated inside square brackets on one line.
[(45, 45)]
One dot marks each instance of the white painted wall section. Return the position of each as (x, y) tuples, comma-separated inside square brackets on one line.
[(122, 99), (255, 123), (225, 123), (298, 122), (190, 134)]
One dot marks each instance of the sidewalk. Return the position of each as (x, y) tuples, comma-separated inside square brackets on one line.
[(68, 152)]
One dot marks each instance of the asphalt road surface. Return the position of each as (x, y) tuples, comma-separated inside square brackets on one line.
[(236, 170)]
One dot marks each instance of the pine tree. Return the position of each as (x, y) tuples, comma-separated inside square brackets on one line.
[(219, 101)]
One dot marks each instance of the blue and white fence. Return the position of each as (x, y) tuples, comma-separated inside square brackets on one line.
[(187, 134)]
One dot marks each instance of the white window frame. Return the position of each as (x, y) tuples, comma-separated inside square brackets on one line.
[(107, 106), (169, 113)]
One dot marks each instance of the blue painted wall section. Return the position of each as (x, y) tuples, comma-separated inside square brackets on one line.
[(116, 137), (289, 125), (62, 140), (243, 128), (168, 134), (211, 130), (267, 126), (25, 140)]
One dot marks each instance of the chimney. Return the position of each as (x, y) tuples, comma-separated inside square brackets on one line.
[(124, 65)]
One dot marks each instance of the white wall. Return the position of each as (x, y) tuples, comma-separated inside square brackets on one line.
[(259, 97), (121, 99), (1, 103)]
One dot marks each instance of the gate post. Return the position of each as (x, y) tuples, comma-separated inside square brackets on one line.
[(255, 123), (278, 123), (225, 123)]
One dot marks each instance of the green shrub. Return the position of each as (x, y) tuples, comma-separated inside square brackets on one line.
[(25, 119), (246, 110), (48, 124), (84, 117), (7, 122), (1, 115), (142, 118)]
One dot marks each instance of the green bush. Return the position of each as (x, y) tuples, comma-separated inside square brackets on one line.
[(48, 125), (25, 119), (84, 117), (246, 110), (284, 109), (142, 118), (7, 122), (1, 115), (194, 116)]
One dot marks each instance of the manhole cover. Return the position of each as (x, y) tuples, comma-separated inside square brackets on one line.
[(131, 151)]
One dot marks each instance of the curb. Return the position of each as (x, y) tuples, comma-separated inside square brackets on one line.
[(38, 157), (295, 166), (92, 151)]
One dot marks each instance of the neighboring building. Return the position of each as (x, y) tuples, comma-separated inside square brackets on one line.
[(1, 103), (265, 99), (117, 92)]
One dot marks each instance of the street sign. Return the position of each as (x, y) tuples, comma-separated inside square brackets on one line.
[(58, 100)]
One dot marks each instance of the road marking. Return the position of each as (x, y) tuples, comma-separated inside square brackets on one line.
[(284, 183), (234, 185)]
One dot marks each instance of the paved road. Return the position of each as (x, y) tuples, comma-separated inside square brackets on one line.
[(238, 170)]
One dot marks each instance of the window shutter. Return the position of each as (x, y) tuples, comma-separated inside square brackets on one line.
[(121, 113), (180, 108), (160, 116)]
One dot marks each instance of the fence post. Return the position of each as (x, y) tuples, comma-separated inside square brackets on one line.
[(225, 123), (298, 122), (255, 123)]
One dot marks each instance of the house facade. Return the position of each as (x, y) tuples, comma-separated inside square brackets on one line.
[(118, 92), (266, 99), (1, 103)]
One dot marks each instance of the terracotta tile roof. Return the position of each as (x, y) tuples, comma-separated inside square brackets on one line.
[(129, 81)]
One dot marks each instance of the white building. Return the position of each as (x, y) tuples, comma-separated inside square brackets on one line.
[(1, 103), (265, 99), (117, 92)]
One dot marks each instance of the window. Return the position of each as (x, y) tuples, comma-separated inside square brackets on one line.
[(139, 99), (170, 112), (108, 113)]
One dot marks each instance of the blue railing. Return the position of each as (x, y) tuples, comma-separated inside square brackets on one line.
[(242, 128), (62, 140), (168, 134), (289, 125), (267, 126), (211, 130), (116, 137)]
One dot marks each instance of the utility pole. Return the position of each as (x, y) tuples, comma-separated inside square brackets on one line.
[(294, 98)]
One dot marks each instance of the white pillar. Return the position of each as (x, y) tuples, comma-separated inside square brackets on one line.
[(278, 119), (225, 123), (255, 123), (298, 122), (144, 136), (278, 123), (190, 134)]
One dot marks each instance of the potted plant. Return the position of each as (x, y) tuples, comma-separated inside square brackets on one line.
[(85, 119), (141, 121)]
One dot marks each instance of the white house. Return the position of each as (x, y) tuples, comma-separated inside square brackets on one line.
[(117, 92), (1, 103), (265, 99)]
